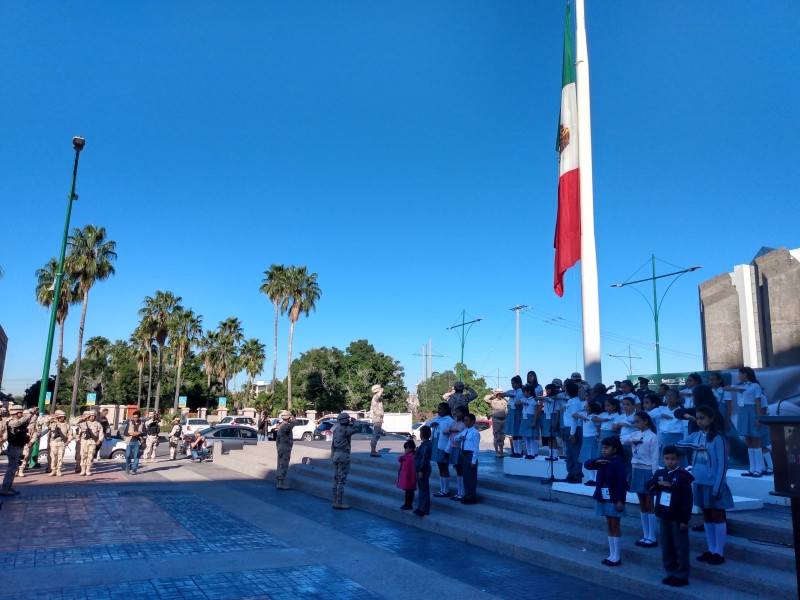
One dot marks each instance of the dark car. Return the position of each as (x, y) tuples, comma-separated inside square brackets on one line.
[(231, 436), (324, 431)]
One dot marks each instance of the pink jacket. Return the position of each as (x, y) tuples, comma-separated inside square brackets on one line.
[(406, 474)]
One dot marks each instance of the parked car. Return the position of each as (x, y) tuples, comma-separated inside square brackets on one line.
[(249, 421), (303, 429), (112, 448), (483, 424), (232, 437), (324, 431), (190, 425), (415, 430), (273, 423)]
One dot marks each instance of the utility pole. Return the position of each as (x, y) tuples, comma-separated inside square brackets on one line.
[(463, 330), (517, 309), (629, 356), (427, 360)]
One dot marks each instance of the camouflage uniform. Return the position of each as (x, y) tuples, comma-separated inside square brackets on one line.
[(174, 439), (458, 397), (90, 433), (284, 440), (33, 433), (499, 412), (376, 412), (340, 455), (56, 443), (153, 427)]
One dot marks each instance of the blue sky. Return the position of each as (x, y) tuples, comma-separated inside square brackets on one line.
[(405, 153)]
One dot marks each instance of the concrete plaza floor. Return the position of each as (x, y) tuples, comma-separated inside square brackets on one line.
[(183, 530)]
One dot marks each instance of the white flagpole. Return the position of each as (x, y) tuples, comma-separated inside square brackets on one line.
[(589, 291)]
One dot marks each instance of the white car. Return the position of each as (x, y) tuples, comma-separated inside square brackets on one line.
[(190, 426), (303, 429), (249, 421)]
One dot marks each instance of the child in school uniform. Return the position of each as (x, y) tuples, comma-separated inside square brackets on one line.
[(469, 441), (407, 474), (551, 410), (672, 429), (530, 419), (610, 494), (672, 486), (651, 404), (711, 492), (572, 432), (644, 462), (608, 418), (422, 464), (624, 426), (590, 446), (441, 443), (452, 430), (514, 418)]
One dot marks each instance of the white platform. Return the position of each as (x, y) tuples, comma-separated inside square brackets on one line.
[(748, 493)]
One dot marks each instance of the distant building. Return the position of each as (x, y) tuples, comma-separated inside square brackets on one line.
[(751, 317), (260, 387), (3, 350)]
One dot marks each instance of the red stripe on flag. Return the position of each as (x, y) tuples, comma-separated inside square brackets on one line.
[(568, 227)]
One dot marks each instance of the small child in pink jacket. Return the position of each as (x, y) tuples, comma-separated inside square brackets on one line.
[(407, 474)]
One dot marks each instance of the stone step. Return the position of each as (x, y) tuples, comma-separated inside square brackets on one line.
[(507, 508), (500, 530)]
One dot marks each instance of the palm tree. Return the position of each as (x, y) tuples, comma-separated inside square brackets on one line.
[(90, 260), (186, 329), (253, 357), (45, 290), (274, 286), (140, 340), (302, 293), (207, 344), (97, 348), (158, 310), (229, 341)]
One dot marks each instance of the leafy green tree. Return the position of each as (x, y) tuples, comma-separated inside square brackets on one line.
[(158, 311), (229, 342), (186, 328), (45, 290), (253, 358), (366, 367), (430, 392), (90, 259), (302, 293)]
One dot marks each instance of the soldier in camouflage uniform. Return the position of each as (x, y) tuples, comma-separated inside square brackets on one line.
[(59, 438), (458, 397), (33, 434), (90, 433), (376, 413), (284, 439), (340, 455)]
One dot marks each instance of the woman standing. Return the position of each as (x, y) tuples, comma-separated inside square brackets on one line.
[(750, 398)]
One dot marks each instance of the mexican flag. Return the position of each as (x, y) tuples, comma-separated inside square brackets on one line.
[(568, 223)]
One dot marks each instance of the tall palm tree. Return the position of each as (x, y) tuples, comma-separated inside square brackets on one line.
[(158, 311), (90, 260), (45, 290), (229, 340), (140, 340), (253, 357), (207, 344), (97, 348), (302, 293), (274, 286), (186, 327)]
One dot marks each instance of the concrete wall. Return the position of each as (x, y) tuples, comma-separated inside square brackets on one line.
[(719, 320), (778, 281)]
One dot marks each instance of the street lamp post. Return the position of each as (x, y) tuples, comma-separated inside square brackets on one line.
[(463, 330), (655, 307), (78, 143), (517, 309)]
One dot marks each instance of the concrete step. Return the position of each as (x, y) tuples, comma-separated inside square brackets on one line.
[(500, 530), (554, 520)]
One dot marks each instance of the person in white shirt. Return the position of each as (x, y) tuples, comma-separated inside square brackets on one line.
[(651, 404), (469, 440), (671, 430), (752, 404), (645, 457), (441, 445), (626, 389), (572, 432), (529, 426), (514, 418), (590, 446), (551, 411), (724, 399)]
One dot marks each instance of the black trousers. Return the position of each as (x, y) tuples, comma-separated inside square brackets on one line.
[(674, 548), (469, 474)]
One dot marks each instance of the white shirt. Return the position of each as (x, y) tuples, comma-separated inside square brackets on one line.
[(442, 441), (590, 428), (470, 441), (750, 391), (514, 396), (529, 404), (672, 425), (552, 404), (688, 399), (632, 396), (655, 415), (644, 448), (722, 396), (627, 423), (606, 426), (572, 407)]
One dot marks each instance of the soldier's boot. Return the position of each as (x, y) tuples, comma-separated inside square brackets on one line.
[(52, 474), (58, 473), (338, 502), (374, 452), (281, 485), (6, 491)]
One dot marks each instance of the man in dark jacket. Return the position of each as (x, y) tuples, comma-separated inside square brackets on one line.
[(673, 489)]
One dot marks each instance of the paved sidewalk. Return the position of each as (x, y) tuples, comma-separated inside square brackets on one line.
[(182, 530)]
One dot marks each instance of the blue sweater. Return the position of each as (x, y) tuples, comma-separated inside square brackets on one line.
[(611, 475), (422, 457), (709, 466)]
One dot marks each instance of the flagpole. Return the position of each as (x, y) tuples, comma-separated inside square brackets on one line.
[(589, 287)]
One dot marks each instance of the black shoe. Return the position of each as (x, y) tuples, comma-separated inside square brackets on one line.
[(441, 494), (611, 563), (668, 580), (457, 497), (421, 514), (648, 544), (640, 542), (515, 455), (705, 556), (416, 511), (551, 458), (590, 483), (767, 472), (574, 479), (679, 582), (529, 456), (716, 559), (406, 507), (469, 500)]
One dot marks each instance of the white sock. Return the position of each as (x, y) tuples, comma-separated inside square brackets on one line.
[(711, 536), (645, 525), (610, 548), (759, 458), (617, 548), (751, 455), (653, 527), (768, 457), (517, 446), (446, 485), (529, 446), (722, 536), (534, 447), (460, 486)]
